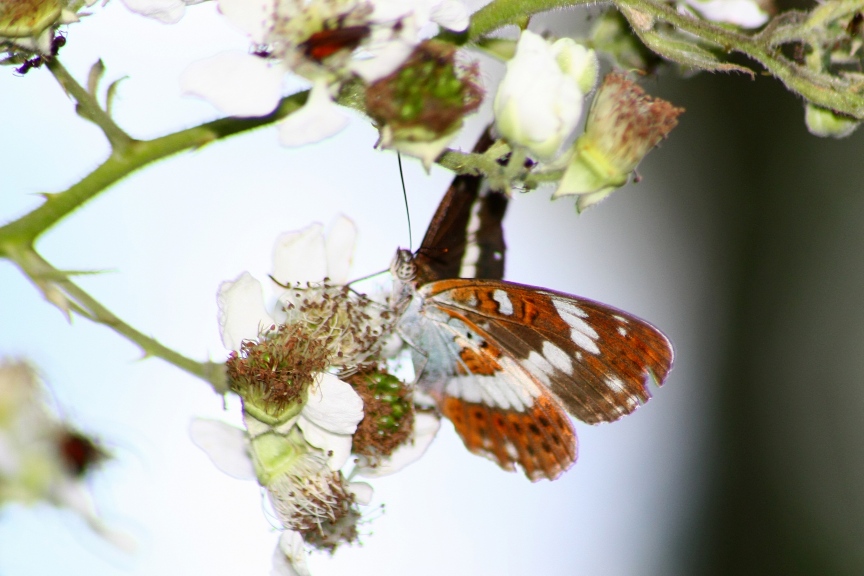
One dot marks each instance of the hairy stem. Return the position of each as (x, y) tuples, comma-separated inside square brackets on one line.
[(69, 297)]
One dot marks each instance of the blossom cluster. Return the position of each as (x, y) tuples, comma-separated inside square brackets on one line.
[(313, 375), (44, 459)]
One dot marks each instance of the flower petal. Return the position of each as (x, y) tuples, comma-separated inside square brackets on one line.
[(318, 119), (334, 405), (165, 11), (250, 16), (451, 14), (236, 83), (336, 446), (425, 428), (340, 248), (226, 446), (362, 492), (330, 417), (381, 57), (744, 13), (300, 256), (290, 556), (242, 314)]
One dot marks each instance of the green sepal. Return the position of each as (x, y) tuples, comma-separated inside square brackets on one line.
[(274, 454)]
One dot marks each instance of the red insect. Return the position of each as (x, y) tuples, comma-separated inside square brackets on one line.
[(325, 43)]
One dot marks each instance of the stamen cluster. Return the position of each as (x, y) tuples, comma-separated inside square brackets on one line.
[(311, 499)]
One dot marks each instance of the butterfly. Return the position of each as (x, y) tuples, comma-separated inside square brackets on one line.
[(506, 362)]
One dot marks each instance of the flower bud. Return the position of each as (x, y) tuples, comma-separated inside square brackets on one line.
[(539, 100), (827, 123), (623, 125)]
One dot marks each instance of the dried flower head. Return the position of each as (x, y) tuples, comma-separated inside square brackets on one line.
[(623, 125)]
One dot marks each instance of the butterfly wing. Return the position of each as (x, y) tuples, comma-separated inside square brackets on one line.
[(500, 410), (594, 359), (465, 238)]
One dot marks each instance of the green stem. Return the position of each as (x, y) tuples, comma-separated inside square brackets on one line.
[(125, 161), (58, 289), (88, 107), (823, 89), (500, 13)]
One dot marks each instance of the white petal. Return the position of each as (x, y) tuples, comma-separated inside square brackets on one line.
[(380, 59), (300, 256), (744, 13), (289, 558), (425, 428), (226, 446), (451, 14), (362, 492), (334, 405), (340, 248), (165, 11), (241, 311), (336, 446), (236, 83), (250, 16), (318, 119)]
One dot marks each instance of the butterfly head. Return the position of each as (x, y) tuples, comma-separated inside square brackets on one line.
[(404, 272), (403, 267)]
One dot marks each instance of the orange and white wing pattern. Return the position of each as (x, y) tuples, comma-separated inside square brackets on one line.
[(505, 362)]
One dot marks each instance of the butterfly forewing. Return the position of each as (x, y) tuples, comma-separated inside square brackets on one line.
[(465, 238), (596, 360)]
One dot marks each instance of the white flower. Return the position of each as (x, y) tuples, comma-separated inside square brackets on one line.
[(165, 11), (744, 13), (372, 40), (289, 557), (539, 100), (310, 500), (31, 25), (34, 462), (332, 408), (318, 119)]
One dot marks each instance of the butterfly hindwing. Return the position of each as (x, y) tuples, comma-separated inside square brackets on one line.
[(500, 410)]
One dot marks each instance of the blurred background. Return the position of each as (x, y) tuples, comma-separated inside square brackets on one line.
[(743, 242)]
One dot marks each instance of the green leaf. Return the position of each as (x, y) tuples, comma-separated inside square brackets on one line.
[(111, 93), (95, 75)]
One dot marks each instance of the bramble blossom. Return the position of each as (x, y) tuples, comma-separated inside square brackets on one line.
[(43, 459), (30, 25), (309, 371), (324, 42)]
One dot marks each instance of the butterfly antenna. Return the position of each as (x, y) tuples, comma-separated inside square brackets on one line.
[(405, 197)]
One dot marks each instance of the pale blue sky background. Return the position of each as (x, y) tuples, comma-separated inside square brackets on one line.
[(169, 234)]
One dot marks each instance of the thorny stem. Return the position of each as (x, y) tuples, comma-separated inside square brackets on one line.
[(88, 107), (823, 89), (53, 283), (125, 161)]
